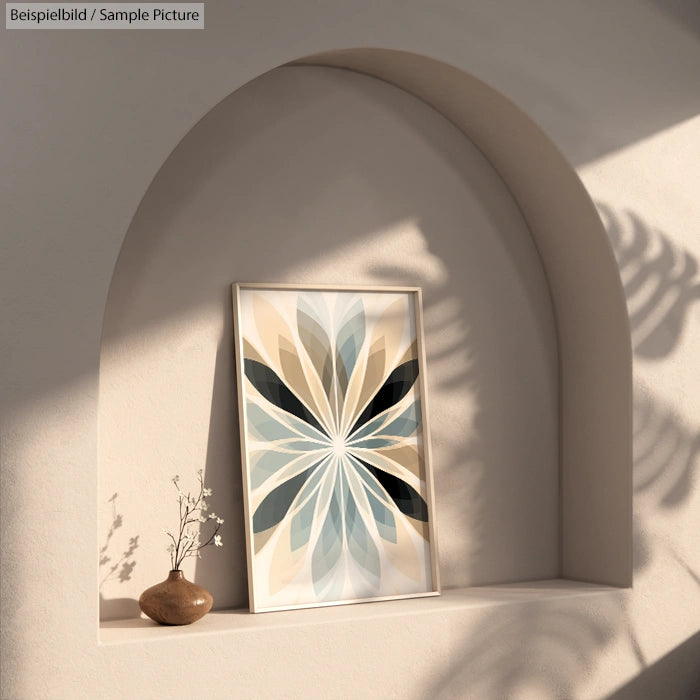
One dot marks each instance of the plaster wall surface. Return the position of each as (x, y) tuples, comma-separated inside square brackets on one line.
[(89, 117)]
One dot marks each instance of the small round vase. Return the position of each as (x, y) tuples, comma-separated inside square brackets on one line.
[(176, 601)]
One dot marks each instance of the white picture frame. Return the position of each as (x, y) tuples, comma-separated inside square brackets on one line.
[(335, 445)]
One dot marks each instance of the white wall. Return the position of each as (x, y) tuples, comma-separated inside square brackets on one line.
[(89, 117)]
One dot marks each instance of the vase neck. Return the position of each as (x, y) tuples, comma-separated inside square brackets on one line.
[(176, 575)]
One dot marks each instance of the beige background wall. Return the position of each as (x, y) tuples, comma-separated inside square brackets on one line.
[(89, 117)]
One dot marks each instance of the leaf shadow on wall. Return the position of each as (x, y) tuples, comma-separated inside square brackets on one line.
[(552, 647), (667, 458), (661, 282), (667, 454), (117, 567), (662, 285), (538, 650), (653, 683)]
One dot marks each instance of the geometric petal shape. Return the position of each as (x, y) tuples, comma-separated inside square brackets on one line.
[(397, 385), (367, 429), (373, 443), (264, 463), (329, 545), (360, 543), (370, 484), (336, 481), (295, 377), (265, 426), (315, 340), (349, 340), (384, 519), (407, 423), (301, 524), (408, 457), (305, 445), (275, 505), (407, 499), (276, 391), (364, 382)]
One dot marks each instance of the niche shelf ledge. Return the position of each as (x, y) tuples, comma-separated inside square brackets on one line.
[(452, 600)]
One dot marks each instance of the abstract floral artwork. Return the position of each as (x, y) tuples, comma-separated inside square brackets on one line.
[(335, 450)]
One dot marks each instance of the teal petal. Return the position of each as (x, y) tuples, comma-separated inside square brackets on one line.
[(301, 524), (264, 464), (360, 543), (329, 545), (370, 483), (349, 340), (373, 443), (314, 480), (264, 426), (383, 517), (407, 423), (371, 427), (305, 445), (305, 429), (276, 504)]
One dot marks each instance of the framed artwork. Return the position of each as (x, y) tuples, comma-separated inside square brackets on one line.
[(335, 445)]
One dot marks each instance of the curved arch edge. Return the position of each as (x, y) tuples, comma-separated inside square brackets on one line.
[(593, 333)]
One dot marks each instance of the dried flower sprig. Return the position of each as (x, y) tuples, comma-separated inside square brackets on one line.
[(187, 543)]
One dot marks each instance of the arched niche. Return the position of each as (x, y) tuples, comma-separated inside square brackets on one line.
[(591, 524), (595, 357)]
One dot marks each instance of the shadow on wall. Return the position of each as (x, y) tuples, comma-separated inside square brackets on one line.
[(662, 286), (661, 282), (685, 12), (540, 650), (666, 451), (553, 647), (606, 106), (116, 566), (667, 457), (653, 682), (222, 443)]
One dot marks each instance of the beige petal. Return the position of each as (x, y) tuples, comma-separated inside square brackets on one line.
[(364, 384), (408, 456)]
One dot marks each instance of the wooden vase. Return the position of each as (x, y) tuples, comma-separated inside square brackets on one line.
[(176, 601)]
